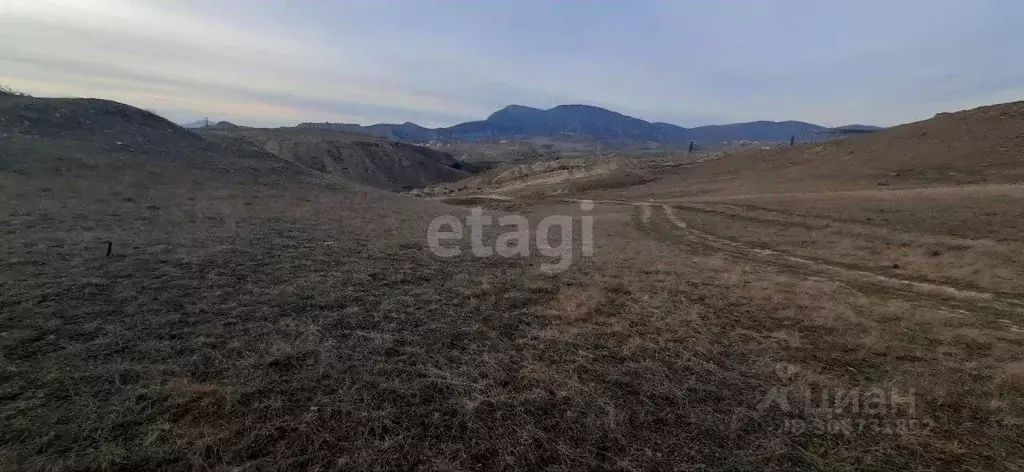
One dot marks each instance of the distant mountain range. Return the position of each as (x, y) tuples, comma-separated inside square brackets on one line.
[(584, 123)]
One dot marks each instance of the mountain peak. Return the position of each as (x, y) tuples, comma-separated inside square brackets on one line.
[(514, 111), (577, 122), (577, 106)]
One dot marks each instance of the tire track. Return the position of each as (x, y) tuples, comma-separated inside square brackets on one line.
[(837, 270), (834, 271)]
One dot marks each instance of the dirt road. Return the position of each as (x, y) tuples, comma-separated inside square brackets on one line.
[(662, 218)]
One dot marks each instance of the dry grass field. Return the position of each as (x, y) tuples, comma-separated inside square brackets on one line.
[(256, 315), (971, 147), (963, 237), (745, 324)]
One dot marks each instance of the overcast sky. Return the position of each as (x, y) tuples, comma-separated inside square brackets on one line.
[(438, 63)]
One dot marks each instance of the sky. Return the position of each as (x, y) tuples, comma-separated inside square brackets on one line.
[(439, 63)]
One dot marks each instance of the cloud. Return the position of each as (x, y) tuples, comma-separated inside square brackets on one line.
[(439, 63)]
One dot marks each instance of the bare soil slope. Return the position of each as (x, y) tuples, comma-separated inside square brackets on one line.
[(373, 161), (554, 177)]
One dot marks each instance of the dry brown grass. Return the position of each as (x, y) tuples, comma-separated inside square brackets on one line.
[(287, 340), (972, 147), (1012, 378), (253, 318), (361, 159), (576, 303), (981, 264), (979, 212), (840, 338)]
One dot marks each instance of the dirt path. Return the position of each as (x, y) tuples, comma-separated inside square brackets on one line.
[(839, 271), (782, 259), (502, 198), (812, 222)]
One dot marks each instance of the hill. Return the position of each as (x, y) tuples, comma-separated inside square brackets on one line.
[(94, 136), (979, 146), (368, 160), (181, 301), (201, 124), (220, 257), (565, 121), (582, 123), (971, 147)]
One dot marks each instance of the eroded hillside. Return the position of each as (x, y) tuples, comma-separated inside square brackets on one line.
[(367, 160)]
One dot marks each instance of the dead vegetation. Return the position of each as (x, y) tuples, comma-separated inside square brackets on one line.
[(555, 177), (972, 147), (835, 337), (576, 303), (981, 264), (367, 160), (255, 316)]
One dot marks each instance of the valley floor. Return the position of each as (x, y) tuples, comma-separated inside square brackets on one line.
[(244, 329), (889, 322)]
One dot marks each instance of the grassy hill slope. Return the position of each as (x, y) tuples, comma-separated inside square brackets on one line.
[(378, 162), (258, 314), (983, 145)]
